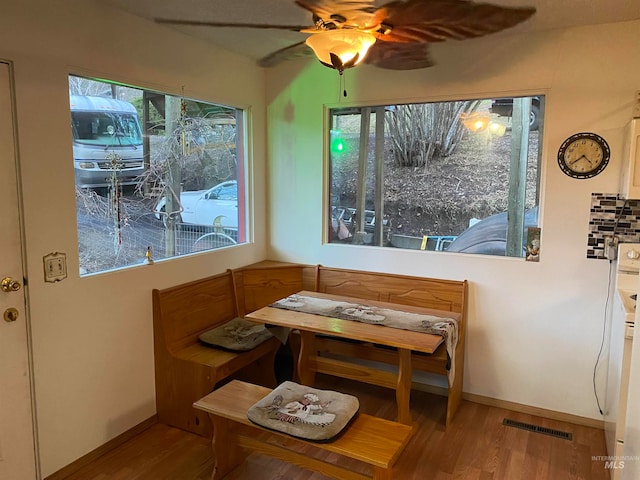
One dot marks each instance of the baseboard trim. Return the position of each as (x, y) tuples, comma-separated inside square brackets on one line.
[(92, 456), (515, 407), (540, 412)]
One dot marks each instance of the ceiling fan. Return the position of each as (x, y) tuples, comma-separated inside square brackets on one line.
[(395, 36)]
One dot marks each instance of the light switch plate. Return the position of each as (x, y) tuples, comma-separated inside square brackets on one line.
[(55, 267)]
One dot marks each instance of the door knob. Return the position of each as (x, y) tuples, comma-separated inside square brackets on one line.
[(10, 315), (10, 285)]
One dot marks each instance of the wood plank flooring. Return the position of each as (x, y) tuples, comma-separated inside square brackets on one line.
[(476, 447)]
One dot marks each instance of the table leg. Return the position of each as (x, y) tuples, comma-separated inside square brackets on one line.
[(307, 373), (227, 455), (403, 388)]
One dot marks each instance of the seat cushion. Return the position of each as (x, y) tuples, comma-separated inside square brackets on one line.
[(304, 412), (237, 335)]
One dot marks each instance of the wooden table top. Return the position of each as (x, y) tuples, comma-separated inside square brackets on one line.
[(353, 330)]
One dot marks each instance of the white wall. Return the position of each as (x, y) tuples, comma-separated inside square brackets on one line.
[(534, 328), (92, 337)]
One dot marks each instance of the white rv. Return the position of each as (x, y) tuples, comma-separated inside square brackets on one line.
[(107, 141)]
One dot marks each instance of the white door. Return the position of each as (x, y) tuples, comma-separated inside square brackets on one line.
[(17, 452)]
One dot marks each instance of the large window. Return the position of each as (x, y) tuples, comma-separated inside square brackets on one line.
[(156, 176), (457, 176)]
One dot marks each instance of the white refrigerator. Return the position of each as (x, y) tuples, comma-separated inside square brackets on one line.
[(631, 453), (628, 465)]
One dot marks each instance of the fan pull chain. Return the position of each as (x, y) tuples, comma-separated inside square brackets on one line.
[(343, 85)]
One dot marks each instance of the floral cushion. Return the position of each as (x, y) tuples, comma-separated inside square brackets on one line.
[(237, 334), (304, 412)]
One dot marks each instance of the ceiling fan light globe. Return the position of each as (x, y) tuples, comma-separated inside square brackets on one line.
[(349, 45)]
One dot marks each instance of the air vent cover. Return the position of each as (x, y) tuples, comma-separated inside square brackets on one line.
[(537, 429)]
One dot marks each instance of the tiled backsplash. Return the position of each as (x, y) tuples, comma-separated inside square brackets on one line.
[(611, 214)]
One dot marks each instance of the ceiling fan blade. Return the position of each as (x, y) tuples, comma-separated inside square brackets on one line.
[(399, 56), (202, 23), (440, 20), (297, 50)]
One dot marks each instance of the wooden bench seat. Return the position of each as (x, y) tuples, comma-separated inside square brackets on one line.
[(374, 441), (185, 369)]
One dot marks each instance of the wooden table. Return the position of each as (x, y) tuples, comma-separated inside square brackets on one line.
[(309, 362)]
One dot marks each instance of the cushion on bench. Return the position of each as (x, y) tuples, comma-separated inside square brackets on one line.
[(304, 412), (237, 334)]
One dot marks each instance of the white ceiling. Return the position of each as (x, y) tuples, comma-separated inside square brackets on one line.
[(550, 14)]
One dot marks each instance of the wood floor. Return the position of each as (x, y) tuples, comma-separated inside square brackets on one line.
[(476, 447)]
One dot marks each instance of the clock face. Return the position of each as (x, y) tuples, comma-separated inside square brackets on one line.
[(583, 155)]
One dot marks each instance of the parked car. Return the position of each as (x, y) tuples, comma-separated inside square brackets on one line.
[(504, 108), (489, 236), (202, 207)]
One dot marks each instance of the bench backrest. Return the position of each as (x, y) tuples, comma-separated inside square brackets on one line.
[(439, 294), (259, 285), (183, 312)]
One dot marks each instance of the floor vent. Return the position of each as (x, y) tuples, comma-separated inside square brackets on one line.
[(537, 429)]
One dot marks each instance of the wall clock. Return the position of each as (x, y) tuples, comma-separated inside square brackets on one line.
[(583, 155)]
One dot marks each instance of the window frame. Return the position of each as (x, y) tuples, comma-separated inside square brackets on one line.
[(541, 96), (241, 114)]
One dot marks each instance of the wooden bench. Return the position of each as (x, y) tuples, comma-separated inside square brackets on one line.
[(185, 369), (374, 441)]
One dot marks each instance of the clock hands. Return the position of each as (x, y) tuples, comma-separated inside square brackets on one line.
[(580, 158)]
